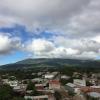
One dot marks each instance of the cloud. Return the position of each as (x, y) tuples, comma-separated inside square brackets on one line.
[(43, 14), (39, 46), (62, 52), (8, 21), (63, 47), (78, 49), (59, 47), (83, 44), (8, 44), (74, 26), (76, 18), (86, 24)]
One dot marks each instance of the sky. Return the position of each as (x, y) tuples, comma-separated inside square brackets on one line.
[(49, 29)]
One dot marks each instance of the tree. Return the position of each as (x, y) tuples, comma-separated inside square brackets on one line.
[(31, 86), (88, 83), (29, 99), (6, 92), (57, 95), (18, 98)]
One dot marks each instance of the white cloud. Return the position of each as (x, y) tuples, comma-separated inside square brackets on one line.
[(62, 52), (76, 22), (83, 44), (45, 48), (39, 46), (8, 44), (78, 17), (87, 22), (58, 48), (8, 21), (43, 14), (96, 38)]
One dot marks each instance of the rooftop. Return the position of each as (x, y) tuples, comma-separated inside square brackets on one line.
[(70, 84), (94, 94)]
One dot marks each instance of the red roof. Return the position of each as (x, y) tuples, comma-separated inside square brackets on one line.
[(54, 82), (90, 89)]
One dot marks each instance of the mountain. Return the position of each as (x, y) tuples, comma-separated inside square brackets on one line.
[(52, 62)]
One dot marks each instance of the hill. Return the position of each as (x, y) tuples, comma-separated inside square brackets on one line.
[(51, 62)]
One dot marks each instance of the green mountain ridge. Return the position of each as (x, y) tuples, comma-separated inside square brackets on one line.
[(51, 62)]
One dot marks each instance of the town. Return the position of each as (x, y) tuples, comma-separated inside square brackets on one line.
[(50, 85), (49, 49)]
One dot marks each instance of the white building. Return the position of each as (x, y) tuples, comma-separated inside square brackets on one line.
[(37, 80), (5, 81), (79, 82), (72, 88), (13, 83), (49, 76), (20, 87), (65, 77), (42, 97), (94, 95)]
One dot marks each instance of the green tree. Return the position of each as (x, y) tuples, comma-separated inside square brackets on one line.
[(18, 98), (6, 92), (31, 86)]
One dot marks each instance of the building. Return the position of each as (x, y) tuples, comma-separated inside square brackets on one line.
[(90, 89), (72, 88), (94, 95), (39, 80), (54, 84), (49, 76), (79, 82), (65, 77), (13, 83), (5, 81), (20, 88), (39, 87), (42, 97)]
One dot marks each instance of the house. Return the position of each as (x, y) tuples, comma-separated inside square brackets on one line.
[(49, 76), (39, 87), (65, 77), (72, 88), (79, 82), (93, 81), (20, 87), (37, 80), (42, 97), (54, 84), (90, 89), (13, 83), (5, 81), (95, 95)]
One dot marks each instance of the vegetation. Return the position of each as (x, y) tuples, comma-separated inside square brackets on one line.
[(18, 98), (63, 81), (31, 86), (7, 93), (85, 65), (23, 71), (58, 95)]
